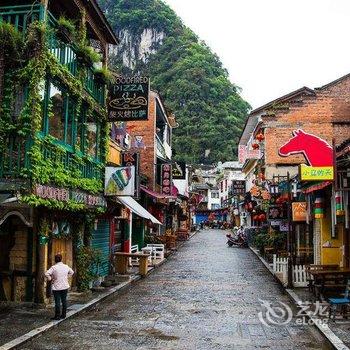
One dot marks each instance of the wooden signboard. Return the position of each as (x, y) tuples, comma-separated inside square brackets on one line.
[(128, 99), (299, 211)]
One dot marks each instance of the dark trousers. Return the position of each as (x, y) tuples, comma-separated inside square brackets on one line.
[(60, 297)]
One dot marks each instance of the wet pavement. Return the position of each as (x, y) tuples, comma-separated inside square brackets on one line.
[(205, 297)]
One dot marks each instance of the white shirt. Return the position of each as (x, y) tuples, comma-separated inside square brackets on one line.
[(58, 274)]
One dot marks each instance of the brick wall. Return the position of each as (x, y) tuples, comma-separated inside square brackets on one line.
[(147, 130), (327, 115)]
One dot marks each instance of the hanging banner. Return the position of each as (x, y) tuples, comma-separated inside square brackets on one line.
[(166, 179), (128, 99), (133, 159), (299, 211)]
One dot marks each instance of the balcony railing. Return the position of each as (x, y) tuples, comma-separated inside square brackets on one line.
[(160, 148), (15, 159), (22, 16)]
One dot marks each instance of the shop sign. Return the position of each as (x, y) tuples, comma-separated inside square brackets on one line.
[(309, 173), (317, 152), (299, 211), (128, 99), (179, 171), (166, 179), (133, 159), (284, 226), (65, 195), (120, 181), (276, 212), (238, 188)]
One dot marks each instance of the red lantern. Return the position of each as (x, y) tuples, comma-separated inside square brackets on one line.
[(260, 137), (262, 217), (256, 217), (255, 146)]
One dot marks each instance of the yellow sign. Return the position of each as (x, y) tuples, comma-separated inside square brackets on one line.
[(314, 173), (299, 211)]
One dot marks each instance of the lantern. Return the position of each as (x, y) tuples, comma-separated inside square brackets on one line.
[(262, 217), (255, 146), (260, 136), (339, 207), (319, 212)]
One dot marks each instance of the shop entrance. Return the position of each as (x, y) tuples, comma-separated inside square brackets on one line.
[(16, 259)]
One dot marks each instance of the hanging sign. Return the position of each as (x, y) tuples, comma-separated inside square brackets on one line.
[(299, 211), (238, 188), (133, 159), (317, 152), (179, 171), (120, 181), (166, 179), (128, 99)]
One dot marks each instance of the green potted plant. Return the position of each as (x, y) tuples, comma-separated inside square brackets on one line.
[(87, 55), (65, 29)]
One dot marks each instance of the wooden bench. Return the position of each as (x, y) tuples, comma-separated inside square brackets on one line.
[(121, 262), (314, 267)]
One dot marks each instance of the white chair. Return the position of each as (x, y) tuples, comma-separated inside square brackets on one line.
[(157, 250), (134, 249)]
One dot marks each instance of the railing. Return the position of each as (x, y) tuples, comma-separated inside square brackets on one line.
[(15, 157), (96, 89), (22, 16), (88, 168)]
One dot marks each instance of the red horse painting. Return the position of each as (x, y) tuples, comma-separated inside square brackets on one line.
[(318, 152)]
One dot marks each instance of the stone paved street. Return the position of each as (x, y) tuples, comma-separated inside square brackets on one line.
[(204, 297)]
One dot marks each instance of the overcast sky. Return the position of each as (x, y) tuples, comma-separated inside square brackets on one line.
[(272, 47)]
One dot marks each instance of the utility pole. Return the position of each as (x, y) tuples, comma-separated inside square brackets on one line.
[(289, 236)]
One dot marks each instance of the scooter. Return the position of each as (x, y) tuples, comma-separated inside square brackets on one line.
[(241, 243)]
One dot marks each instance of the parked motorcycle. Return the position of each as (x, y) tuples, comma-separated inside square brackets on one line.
[(236, 242)]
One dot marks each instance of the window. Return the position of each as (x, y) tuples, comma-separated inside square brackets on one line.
[(91, 139), (56, 113), (61, 114)]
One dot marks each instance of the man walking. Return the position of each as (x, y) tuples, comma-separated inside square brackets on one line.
[(58, 274)]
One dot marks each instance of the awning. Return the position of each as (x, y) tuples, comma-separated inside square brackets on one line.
[(156, 194), (138, 209), (316, 186)]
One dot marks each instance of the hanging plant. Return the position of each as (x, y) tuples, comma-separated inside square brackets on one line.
[(65, 29), (36, 39), (87, 55), (11, 45), (103, 75)]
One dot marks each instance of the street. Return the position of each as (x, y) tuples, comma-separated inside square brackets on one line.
[(205, 297)]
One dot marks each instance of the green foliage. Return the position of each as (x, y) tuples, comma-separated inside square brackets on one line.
[(87, 53), (66, 24), (104, 75), (11, 45), (190, 78), (86, 258)]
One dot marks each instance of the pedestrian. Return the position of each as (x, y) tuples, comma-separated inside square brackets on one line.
[(58, 275)]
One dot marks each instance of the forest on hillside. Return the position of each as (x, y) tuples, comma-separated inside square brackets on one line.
[(189, 77)]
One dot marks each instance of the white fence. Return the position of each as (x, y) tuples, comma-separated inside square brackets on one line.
[(280, 269)]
